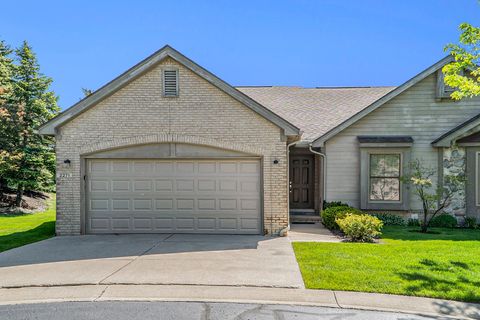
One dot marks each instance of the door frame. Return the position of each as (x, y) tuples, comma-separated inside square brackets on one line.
[(316, 182)]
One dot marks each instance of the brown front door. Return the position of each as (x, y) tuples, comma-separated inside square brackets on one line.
[(301, 182)]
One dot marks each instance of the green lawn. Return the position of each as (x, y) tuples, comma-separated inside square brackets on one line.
[(444, 265), (19, 230)]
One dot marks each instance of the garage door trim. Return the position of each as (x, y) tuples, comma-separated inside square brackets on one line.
[(84, 179)]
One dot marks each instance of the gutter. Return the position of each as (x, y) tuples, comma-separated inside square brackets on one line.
[(324, 171)]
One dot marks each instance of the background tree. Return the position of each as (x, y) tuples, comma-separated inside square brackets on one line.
[(6, 73), (434, 199), (464, 73), (28, 157), (87, 92)]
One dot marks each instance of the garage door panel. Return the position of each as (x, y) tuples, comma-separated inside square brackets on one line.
[(206, 185), (119, 224), (207, 168), (99, 167), (185, 224), (121, 205), (198, 196), (183, 185), (121, 186), (120, 167)]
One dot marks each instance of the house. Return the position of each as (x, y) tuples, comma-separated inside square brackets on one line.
[(169, 147)]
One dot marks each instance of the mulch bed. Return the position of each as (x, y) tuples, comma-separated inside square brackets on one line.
[(32, 201)]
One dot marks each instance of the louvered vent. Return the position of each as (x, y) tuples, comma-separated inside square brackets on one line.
[(170, 83)]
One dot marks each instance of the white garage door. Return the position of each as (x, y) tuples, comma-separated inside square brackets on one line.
[(188, 196)]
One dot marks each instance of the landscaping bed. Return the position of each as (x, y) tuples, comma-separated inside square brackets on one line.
[(18, 229), (32, 201), (441, 264)]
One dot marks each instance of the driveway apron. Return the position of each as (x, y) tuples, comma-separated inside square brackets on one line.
[(219, 260)]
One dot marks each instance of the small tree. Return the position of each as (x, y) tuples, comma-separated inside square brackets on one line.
[(434, 199)]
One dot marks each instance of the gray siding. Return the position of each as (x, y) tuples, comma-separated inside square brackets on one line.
[(415, 113)]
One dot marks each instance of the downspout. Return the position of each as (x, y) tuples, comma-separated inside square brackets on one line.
[(324, 171), (284, 231)]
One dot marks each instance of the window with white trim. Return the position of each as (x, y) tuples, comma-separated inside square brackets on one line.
[(384, 177)]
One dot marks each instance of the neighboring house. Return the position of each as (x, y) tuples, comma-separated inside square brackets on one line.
[(169, 147)]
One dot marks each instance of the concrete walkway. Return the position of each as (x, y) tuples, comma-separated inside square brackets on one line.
[(335, 299), (315, 232)]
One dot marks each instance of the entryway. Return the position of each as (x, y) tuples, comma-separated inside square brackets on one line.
[(304, 186)]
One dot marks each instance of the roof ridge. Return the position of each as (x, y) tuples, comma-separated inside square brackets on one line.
[(326, 87)]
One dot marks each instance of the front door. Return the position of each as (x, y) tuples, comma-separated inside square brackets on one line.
[(301, 181)]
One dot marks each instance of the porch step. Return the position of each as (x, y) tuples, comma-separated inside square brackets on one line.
[(304, 218)]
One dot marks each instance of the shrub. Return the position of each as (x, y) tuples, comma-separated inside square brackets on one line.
[(329, 215), (413, 222), (332, 204), (470, 222), (443, 221), (389, 219), (360, 228)]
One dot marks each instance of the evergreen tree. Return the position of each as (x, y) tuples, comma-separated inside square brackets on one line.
[(29, 157), (86, 92), (6, 72)]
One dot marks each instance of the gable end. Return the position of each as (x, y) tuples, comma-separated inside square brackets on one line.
[(49, 128)]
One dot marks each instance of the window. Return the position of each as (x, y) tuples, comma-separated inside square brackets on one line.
[(382, 163), (384, 179), (443, 91), (170, 83)]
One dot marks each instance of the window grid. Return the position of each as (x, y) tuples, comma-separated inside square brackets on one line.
[(390, 175)]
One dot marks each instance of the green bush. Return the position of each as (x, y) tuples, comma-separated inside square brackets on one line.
[(389, 219), (329, 215), (413, 222), (332, 204), (443, 221), (360, 228), (470, 222)]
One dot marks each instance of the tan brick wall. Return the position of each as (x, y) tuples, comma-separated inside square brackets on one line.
[(138, 114)]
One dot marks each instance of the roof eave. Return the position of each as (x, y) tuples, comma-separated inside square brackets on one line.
[(320, 141), (457, 132)]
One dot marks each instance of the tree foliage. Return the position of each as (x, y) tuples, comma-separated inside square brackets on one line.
[(27, 159), (434, 199), (464, 73), (87, 92)]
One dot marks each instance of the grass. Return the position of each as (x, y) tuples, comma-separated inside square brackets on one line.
[(22, 229), (444, 264)]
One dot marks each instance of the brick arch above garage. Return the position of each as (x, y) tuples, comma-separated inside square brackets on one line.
[(106, 145)]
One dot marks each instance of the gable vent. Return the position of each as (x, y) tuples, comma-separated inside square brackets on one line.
[(170, 83)]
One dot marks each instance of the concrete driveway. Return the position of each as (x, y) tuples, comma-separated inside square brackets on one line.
[(219, 260)]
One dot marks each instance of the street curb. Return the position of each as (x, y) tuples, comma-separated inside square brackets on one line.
[(252, 295)]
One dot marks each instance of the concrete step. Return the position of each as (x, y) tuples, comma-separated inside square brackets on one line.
[(304, 218)]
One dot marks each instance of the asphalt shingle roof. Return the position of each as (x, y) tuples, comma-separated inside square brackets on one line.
[(315, 110)]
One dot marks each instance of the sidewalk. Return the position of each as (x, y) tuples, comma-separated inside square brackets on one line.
[(314, 232), (324, 298)]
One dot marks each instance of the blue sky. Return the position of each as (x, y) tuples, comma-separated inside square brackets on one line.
[(305, 43)]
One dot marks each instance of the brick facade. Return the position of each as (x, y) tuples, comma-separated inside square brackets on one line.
[(138, 114)]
